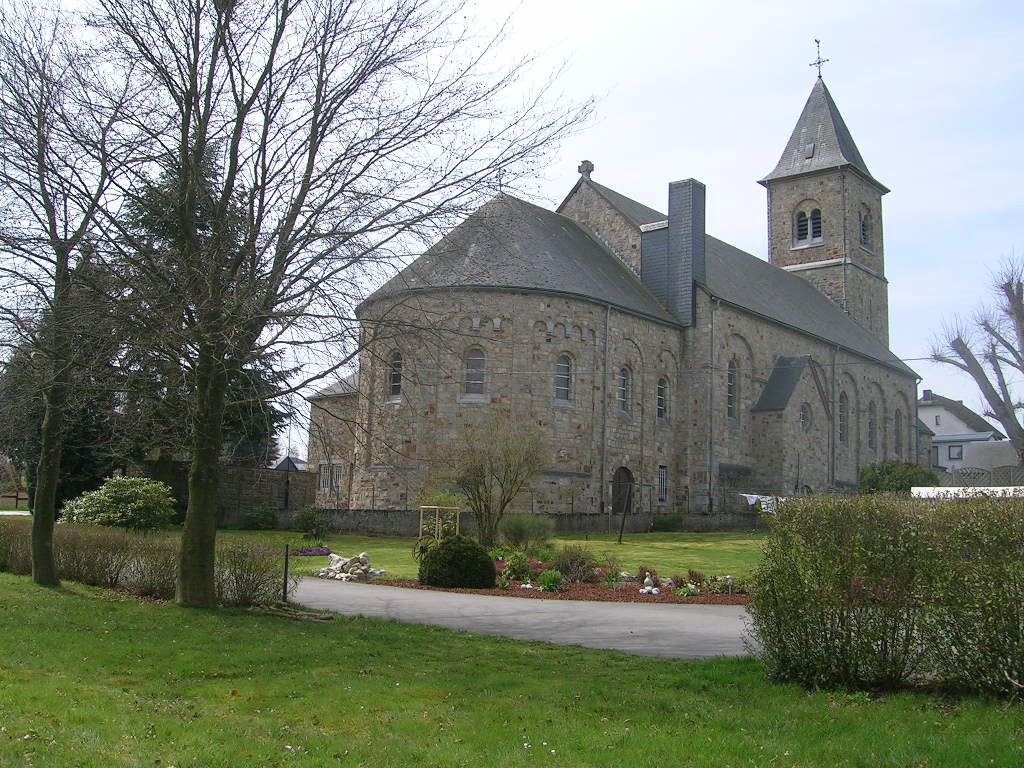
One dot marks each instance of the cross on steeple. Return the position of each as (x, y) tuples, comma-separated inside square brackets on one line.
[(819, 61)]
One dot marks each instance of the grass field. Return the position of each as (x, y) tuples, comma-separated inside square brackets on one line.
[(669, 553), (90, 678)]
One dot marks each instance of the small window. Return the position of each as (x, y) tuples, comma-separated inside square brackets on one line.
[(938, 420), (731, 389), (563, 378), (816, 224), (395, 374), (473, 378), (865, 229), (808, 226), (956, 452), (623, 389), (872, 426), (662, 483), (844, 417), (801, 226), (324, 484), (662, 399), (805, 416)]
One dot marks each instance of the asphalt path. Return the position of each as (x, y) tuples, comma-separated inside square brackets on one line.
[(661, 630)]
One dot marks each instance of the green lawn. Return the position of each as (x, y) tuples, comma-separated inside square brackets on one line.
[(90, 678), (716, 554)]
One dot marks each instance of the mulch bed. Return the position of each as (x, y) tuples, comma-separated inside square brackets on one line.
[(622, 593)]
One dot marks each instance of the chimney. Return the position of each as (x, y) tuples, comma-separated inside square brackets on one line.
[(672, 252), (926, 395)]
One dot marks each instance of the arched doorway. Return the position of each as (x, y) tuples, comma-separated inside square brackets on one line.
[(622, 492)]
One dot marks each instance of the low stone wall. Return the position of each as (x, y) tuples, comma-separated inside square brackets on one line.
[(723, 521)]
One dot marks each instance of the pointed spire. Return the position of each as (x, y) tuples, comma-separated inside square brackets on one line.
[(819, 141)]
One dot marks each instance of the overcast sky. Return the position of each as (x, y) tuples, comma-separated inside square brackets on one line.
[(933, 93)]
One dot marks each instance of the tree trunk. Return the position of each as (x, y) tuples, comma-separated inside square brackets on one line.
[(44, 567), (196, 585)]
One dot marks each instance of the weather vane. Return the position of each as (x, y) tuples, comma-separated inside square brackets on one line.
[(819, 61)]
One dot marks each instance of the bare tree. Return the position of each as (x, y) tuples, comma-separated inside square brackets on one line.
[(494, 461), (990, 349), (299, 144), (58, 129)]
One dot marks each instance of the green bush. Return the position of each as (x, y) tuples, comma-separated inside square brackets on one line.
[(517, 567), (577, 564), (550, 580), (894, 477), (526, 533), (260, 518), (313, 522), (137, 503), (250, 574), (457, 562), (155, 568), (885, 591), (93, 555)]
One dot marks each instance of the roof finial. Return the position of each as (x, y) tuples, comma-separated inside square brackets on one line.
[(585, 169), (819, 61)]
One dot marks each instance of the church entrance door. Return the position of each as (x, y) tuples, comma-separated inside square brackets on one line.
[(622, 492)]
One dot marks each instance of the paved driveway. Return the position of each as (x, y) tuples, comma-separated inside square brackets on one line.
[(662, 630)]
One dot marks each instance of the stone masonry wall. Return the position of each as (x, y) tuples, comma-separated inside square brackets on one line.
[(588, 207)]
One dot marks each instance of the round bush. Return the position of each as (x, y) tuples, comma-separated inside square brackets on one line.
[(457, 562), (124, 502)]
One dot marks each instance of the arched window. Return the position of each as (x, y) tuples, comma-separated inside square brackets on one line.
[(865, 228), (395, 374), (808, 226), (662, 398), (473, 372), (563, 378), (872, 426), (897, 433), (844, 417), (623, 389), (731, 389)]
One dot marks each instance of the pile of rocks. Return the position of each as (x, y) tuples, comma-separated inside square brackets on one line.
[(349, 568)]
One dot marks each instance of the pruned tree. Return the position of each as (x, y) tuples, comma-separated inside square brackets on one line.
[(990, 349), (301, 144), (493, 461), (60, 122)]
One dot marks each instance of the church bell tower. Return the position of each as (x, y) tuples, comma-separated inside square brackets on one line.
[(825, 214)]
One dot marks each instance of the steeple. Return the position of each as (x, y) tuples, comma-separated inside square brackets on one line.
[(825, 214), (820, 141)]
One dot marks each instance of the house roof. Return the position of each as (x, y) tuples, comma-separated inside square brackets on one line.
[(962, 412), (509, 244), (820, 141), (638, 213), (781, 383), (347, 385)]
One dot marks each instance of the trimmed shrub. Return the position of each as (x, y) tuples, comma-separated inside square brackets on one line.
[(16, 546), (92, 555), (154, 571), (667, 523), (577, 564), (526, 533), (250, 574), (884, 591), (457, 562), (894, 477), (137, 503)]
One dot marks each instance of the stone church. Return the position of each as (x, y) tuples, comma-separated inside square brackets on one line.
[(670, 371)]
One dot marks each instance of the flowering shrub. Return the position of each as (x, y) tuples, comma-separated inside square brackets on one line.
[(689, 589), (137, 503)]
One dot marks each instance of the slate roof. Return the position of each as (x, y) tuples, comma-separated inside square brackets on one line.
[(962, 412), (781, 383), (348, 385), (819, 141), (638, 213), (747, 282), (509, 244)]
